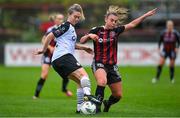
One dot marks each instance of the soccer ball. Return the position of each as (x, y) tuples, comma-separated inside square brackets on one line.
[(88, 108)]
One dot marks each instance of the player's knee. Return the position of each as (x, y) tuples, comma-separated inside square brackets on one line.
[(44, 75), (161, 62), (172, 64), (85, 82), (101, 82), (118, 95), (81, 72), (44, 72)]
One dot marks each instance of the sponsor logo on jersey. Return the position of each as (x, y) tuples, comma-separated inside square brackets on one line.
[(78, 64), (57, 32), (100, 40), (102, 33), (73, 38), (100, 65)]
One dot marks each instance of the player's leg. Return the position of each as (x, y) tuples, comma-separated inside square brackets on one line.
[(80, 98), (64, 67), (171, 66), (101, 80), (114, 83), (159, 69), (81, 78), (116, 89), (44, 75), (65, 82), (67, 66), (100, 76)]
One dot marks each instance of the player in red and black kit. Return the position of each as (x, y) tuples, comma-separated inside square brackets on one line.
[(170, 40), (105, 40), (46, 59)]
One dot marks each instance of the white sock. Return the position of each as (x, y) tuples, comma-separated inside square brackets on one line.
[(80, 98), (85, 84)]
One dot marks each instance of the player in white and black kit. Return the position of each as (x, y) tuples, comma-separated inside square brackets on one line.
[(57, 19), (63, 60)]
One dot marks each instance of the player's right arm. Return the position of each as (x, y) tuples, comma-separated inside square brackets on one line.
[(56, 32), (87, 37), (160, 41), (43, 38), (90, 36), (47, 40)]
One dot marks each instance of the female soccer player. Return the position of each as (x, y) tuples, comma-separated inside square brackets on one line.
[(105, 40), (46, 59), (63, 61), (170, 40)]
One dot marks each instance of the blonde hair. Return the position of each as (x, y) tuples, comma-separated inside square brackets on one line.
[(78, 8), (170, 25), (120, 12), (169, 22), (53, 16)]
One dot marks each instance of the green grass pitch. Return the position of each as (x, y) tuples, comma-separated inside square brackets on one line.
[(140, 97)]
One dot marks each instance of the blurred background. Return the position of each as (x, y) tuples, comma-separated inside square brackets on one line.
[(27, 20)]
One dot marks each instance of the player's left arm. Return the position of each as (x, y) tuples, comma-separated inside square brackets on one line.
[(177, 41), (135, 22), (87, 37), (83, 47)]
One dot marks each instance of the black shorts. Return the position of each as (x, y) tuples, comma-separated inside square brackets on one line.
[(171, 54), (46, 59), (65, 65), (113, 75)]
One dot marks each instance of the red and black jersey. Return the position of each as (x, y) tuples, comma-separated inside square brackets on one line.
[(170, 40), (105, 48)]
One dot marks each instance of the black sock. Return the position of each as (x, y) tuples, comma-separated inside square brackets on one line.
[(112, 100), (159, 69), (100, 96), (172, 72), (64, 84), (39, 86), (100, 93)]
